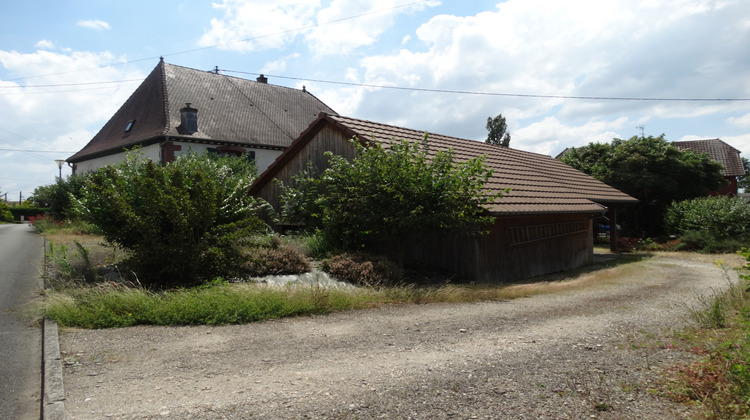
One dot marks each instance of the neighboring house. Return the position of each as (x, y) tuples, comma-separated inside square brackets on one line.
[(723, 153), (178, 109), (543, 225)]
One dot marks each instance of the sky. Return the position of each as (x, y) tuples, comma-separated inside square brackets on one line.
[(562, 73)]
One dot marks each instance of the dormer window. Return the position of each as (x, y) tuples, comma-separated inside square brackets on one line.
[(189, 119), (129, 126)]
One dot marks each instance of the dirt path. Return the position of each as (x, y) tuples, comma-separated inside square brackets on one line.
[(574, 354)]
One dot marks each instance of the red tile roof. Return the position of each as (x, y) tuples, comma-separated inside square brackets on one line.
[(719, 151), (539, 183), (230, 110)]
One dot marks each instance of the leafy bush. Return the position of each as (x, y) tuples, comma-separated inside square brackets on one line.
[(47, 224), (60, 197), (702, 241), (390, 196), (364, 269), (710, 224), (722, 217), (183, 223), (44, 223), (5, 214)]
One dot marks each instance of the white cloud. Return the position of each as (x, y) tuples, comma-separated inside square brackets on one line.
[(649, 49), (259, 24), (742, 122), (336, 33), (97, 25), (280, 64), (336, 27), (550, 136), (59, 119), (44, 45)]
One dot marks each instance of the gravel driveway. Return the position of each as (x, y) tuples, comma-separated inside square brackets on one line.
[(585, 353)]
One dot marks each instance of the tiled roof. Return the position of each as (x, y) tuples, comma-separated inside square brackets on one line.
[(230, 110), (719, 151), (538, 183)]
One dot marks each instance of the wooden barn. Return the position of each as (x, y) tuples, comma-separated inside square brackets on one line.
[(543, 225)]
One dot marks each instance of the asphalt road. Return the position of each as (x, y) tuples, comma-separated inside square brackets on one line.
[(21, 254)]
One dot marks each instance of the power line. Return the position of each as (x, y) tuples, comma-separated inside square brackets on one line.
[(515, 95), (36, 151), (72, 84)]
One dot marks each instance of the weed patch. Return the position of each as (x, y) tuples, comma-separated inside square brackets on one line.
[(720, 381)]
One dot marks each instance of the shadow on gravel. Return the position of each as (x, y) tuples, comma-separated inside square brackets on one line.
[(601, 261)]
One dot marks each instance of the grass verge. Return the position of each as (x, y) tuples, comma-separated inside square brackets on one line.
[(110, 305), (719, 382)]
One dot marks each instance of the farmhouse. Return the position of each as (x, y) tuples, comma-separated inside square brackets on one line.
[(178, 109), (543, 225), (718, 150)]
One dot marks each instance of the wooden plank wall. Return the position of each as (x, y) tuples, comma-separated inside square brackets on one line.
[(327, 139), (515, 248)]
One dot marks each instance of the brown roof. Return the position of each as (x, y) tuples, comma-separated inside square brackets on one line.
[(719, 151), (230, 111), (539, 183)]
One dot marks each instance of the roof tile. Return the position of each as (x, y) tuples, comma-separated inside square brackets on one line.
[(539, 183)]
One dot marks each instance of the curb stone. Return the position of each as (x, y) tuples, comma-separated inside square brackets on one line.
[(53, 391)]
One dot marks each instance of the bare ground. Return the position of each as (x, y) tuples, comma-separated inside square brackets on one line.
[(577, 353)]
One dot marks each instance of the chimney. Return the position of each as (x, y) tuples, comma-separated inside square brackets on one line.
[(262, 79), (189, 118)]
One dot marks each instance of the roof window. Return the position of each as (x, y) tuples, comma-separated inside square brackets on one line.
[(129, 126), (189, 119)]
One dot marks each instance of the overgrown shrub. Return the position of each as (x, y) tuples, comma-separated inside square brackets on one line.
[(44, 223), (59, 198), (184, 223), (389, 196), (275, 261), (5, 214), (703, 241), (364, 269), (722, 217), (710, 224)]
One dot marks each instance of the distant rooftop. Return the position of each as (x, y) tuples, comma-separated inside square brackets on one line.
[(719, 151)]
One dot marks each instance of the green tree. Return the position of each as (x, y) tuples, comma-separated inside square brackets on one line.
[(60, 196), (5, 214), (497, 131), (387, 197), (743, 182), (650, 169), (183, 222)]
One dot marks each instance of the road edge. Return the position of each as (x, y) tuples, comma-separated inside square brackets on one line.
[(53, 391)]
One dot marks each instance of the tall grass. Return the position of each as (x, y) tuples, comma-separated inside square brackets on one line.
[(720, 381), (109, 305)]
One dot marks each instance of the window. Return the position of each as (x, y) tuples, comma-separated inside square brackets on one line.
[(129, 126), (189, 119)]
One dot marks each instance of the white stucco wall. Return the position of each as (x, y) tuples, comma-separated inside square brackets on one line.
[(263, 157), (152, 152)]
